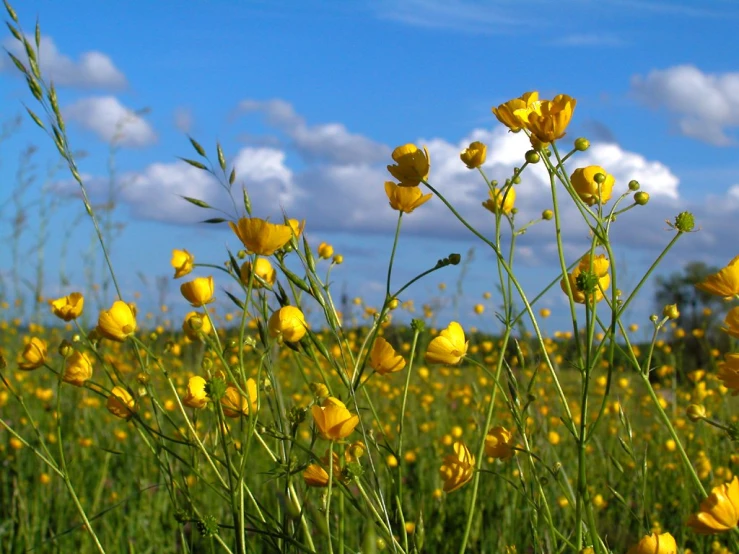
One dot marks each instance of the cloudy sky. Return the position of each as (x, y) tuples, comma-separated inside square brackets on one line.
[(309, 98)]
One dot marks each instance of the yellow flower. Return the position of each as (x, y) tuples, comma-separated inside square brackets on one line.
[(33, 355), (545, 312), (498, 443), (655, 544), (600, 269), (505, 113), (383, 358), (325, 250), (288, 323), (118, 323), (457, 468), (719, 512), (235, 404), (260, 236), (405, 199), (732, 322), (196, 323), (728, 372), (195, 397), (411, 165), (121, 403), (315, 476), (474, 155), (724, 283), (505, 196), (548, 120), (333, 420), (182, 262), (199, 291), (264, 271), (590, 192), (449, 347), (77, 369), (297, 226), (68, 307)]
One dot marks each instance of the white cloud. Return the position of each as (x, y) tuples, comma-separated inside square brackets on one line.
[(93, 70), (111, 121), (704, 106)]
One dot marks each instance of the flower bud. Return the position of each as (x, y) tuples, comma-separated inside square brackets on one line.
[(454, 259), (670, 311), (696, 412), (582, 144), (599, 178), (65, 349), (532, 156), (546, 215), (634, 185), (641, 198)]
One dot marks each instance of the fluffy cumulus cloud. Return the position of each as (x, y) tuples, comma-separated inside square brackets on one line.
[(704, 106), (111, 121), (93, 70)]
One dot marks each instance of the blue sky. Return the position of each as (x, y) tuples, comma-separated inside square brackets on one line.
[(309, 98)]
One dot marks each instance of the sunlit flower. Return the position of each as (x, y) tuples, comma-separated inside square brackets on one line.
[(457, 468), (195, 397), (333, 420), (449, 347), (264, 271), (68, 307), (297, 226), (315, 476), (548, 120), (728, 372), (33, 355), (498, 443), (199, 291), (411, 165), (505, 113), (235, 404), (600, 265), (655, 544), (77, 369), (325, 250), (196, 323), (405, 199), (719, 512), (586, 187), (731, 322), (121, 403), (182, 262), (724, 283), (260, 236), (474, 155), (384, 359), (288, 323), (500, 199), (118, 323)]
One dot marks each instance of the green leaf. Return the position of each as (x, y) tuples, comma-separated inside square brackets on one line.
[(221, 157), (14, 31), (35, 118), (18, 64), (196, 145), (235, 300), (194, 164), (196, 202), (232, 177)]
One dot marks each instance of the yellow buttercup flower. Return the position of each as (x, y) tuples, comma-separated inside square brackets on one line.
[(498, 443), (68, 307), (655, 544), (333, 420), (260, 236), (731, 322), (315, 476), (724, 283), (118, 323), (235, 404), (325, 250), (121, 403), (384, 359), (405, 199), (449, 347), (263, 270), (182, 262), (77, 369), (411, 165), (199, 291), (719, 512), (288, 323), (589, 191), (457, 468), (500, 199), (196, 323), (548, 120), (33, 355), (506, 113), (195, 397), (297, 226), (728, 372), (600, 265), (474, 155)]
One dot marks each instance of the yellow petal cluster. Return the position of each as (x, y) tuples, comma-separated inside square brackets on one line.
[(287, 323), (501, 199), (498, 443), (506, 113), (457, 468), (333, 420), (118, 323), (121, 403), (199, 291), (405, 199), (600, 265), (474, 155), (195, 397), (590, 192), (663, 543), (235, 404), (724, 283), (182, 262), (68, 307), (77, 369), (449, 347), (548, 119), (719, 512), (260, 236), (411, 165), (728, 372), (384, 359), (195, 324), (316, 476), (731, 322), (262, 269), (33, 355), (325, 250)]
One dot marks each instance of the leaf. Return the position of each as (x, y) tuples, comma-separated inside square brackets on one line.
[(221, 157), (196, 145), (194, 163), (14, 31), (35, 118), (196, 202), (232, 177), (235, 300)]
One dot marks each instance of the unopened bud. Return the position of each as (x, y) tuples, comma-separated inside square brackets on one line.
[(454, 259), (599, 178), (671, 311), (696, 412), (641, 198), (582, 144), (532, 156), (65, 349), (634, 185), (547, 215)]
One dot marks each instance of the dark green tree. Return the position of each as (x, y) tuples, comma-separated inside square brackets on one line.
[(679, 288)]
